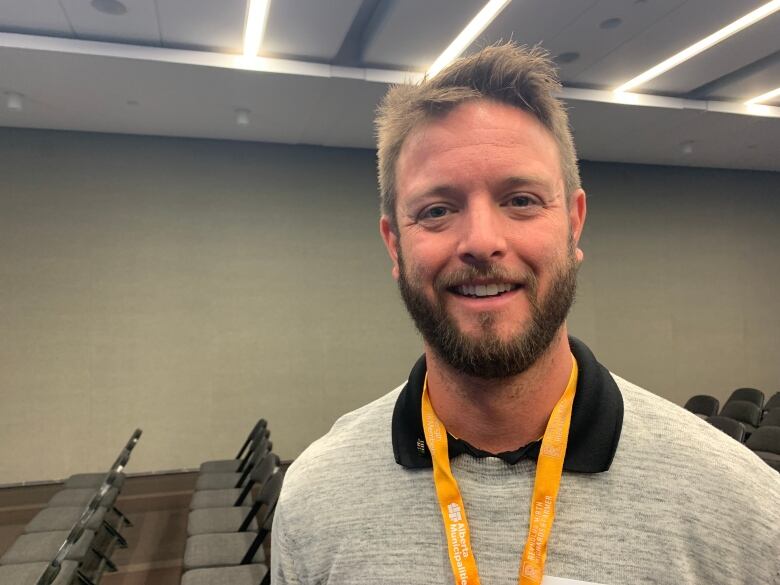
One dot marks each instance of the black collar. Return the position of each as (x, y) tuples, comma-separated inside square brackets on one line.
[(596, 421)]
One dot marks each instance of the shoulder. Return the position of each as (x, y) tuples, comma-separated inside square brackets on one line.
[(662, 438)]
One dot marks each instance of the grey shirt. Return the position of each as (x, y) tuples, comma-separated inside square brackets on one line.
[(681, 503)]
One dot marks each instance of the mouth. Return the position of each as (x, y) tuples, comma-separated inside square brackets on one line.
[(478, 291)]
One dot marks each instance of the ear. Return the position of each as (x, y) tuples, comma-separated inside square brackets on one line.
[(577, 211), (390, 239)]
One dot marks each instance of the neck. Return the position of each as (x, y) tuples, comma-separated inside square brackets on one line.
[(497, 415)]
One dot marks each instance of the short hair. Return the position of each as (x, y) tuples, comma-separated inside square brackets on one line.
[(508, 73)]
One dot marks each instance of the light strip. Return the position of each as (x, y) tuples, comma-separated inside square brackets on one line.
[(764, 97), (473, 29), (256, 18), (704, 44)]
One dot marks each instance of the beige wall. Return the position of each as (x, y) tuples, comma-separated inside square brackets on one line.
[(188, 287)]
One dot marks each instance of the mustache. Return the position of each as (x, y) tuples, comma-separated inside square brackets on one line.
[(469, 274)]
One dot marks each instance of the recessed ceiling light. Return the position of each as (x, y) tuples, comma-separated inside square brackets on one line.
[(242, 117), (112, 7), (611, 23), (568, 57), (473, 29), (687, 147), (13, 101), (720, 35)]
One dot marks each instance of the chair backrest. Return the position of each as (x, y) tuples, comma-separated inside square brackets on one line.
[(748, 395), (263, 532), (269, 494), (771, 418), (733, 428), (134, 438), (259, 425), (703, 404), (773, 402), (264, 468), (255, 442), (743, 411), (766, 439)]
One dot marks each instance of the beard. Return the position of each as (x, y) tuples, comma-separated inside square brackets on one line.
[(486, 355)]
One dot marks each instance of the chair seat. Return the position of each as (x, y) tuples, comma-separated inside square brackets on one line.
[(219, 550), (29, 573), (63, 518), (240, 575), (217, 481), (215, 498), (81, 497), (220, 466), (92, 480), (215, 520), (43, 546)]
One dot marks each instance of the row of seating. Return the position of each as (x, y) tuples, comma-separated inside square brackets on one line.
[(705, 405), (746, 418), (231, 514), (71, 540)]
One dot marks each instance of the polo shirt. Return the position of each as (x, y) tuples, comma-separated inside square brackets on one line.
[(594, 433)]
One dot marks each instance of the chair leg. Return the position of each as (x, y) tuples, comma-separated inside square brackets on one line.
[(109, 563), (125, 519), (83, 579), (115, 533)]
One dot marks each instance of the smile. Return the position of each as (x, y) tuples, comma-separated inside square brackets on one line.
[(484, 290)]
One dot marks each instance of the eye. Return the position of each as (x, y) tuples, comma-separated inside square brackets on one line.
[(434, 212), (522, 200)]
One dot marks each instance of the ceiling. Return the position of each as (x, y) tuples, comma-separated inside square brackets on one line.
[(174, 68)]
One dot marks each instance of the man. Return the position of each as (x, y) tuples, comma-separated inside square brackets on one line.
[(510, 454)]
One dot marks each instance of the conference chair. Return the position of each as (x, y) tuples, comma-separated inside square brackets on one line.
[(221, 481), (226, 550), (771, 418), (731, 427), (237, 464), (703, 405), (36, 547), (41, 574), (748, 395), (773, 402), (63, 517), (94, 480), (240, 518), (748, 413), (765, 442), (247, 572)]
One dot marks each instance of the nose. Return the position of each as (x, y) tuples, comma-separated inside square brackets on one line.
[(482, 239)]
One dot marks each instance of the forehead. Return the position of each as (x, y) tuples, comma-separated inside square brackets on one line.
[(477, 140)]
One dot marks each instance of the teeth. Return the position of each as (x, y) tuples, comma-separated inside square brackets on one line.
[(484, 290)]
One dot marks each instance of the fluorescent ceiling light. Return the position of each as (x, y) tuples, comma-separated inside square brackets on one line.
[(704, 44), (473, 29), (764, 97), (256, 18)]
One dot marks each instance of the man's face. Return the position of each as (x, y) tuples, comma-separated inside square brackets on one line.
[(486, 253)]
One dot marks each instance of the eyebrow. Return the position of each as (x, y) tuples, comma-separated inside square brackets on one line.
[(514, 181)]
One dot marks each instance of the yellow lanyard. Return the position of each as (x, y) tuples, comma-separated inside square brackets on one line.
[(549, 467)]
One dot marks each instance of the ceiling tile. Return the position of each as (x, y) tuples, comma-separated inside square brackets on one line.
[(409, 34), (306, 29), (203, 24)]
